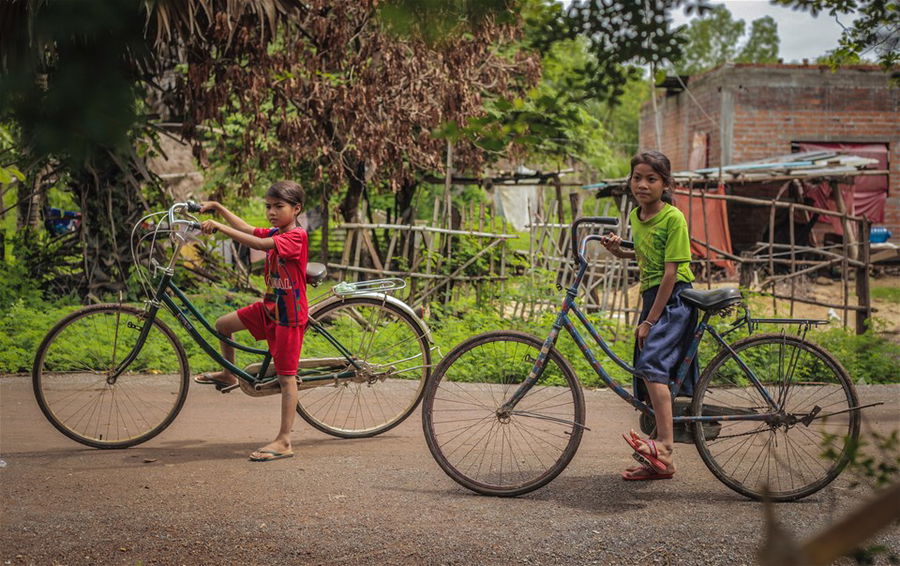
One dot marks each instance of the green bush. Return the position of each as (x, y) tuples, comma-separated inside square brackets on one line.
[(26, 319), (867, 357)]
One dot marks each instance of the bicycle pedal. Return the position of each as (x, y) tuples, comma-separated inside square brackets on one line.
[(227, 388)]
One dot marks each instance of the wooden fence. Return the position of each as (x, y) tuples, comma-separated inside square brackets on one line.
[(428, 256)]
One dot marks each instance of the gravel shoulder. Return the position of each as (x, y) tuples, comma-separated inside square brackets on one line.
[(190, 496)]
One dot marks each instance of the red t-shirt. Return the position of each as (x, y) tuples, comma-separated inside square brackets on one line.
[(285, 276)]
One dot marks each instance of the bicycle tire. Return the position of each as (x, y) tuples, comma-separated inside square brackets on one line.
[(536, 442), (72, 363), (758, 459), (395, 353)]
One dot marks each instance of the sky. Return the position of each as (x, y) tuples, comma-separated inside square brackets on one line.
[(802, 36)]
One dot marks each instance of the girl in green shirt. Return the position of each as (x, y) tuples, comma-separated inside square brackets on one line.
[(662, 248)]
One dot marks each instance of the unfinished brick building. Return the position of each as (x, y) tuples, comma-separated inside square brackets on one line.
[(745, 112)]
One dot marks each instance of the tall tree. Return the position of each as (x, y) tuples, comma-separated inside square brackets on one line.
[(73, 78), (875, 31), (345, 95), (715, 38), (762, 45)]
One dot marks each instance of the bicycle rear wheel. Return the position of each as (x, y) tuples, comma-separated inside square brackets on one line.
[(393, 353), (808, 442), (73, 362), (486, 449)]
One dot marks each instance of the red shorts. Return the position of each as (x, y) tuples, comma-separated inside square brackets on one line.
[(285, 342)]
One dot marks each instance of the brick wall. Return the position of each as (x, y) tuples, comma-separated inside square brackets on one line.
[(766, 107)]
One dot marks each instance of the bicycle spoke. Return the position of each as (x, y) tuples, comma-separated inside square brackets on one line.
[(70, 375), (393, 360), (785, 457), (475, 436)]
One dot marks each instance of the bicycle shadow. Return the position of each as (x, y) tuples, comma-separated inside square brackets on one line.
[(608, 493), (168, 453)]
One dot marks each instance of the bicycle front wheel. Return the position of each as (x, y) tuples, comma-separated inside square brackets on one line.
[(393, 359), (77, 356), (487, 447), (809, 438)]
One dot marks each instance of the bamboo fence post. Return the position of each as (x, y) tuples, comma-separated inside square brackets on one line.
[(690, 205), (845, 270), (793, 257), (348, 248), (430, 241), (772, 246), (845, 241), (502, 251), (373, 253), (390, 251), (849, 234), (706, 237), (531, 226), (357, 250), (862, 280)]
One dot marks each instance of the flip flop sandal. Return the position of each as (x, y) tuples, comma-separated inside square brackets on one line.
[(648, 474), (207, 379), (650, 460), (270, 455)]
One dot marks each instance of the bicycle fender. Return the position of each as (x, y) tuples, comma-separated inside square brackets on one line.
[(380, 297)]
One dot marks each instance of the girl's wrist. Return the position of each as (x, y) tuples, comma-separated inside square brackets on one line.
[(647, 322)]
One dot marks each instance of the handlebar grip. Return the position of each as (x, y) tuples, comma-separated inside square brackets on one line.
[(608, 220), (195, 226), (627, 244), (193, 206)]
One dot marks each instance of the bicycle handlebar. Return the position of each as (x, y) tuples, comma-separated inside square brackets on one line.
[(606, 220)]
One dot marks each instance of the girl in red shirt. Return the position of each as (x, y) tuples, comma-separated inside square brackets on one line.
[(280, 318)]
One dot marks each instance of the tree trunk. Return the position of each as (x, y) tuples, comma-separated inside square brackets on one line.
[(111, 203), (356, 177), (31, 201), (406, 214)]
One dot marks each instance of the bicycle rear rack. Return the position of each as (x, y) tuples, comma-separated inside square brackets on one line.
[(346, 289)]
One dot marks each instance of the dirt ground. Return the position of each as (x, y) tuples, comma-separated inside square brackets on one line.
[(190, 496)]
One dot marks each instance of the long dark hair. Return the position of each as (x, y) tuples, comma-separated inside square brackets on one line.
[(661, 166), (289, 191)]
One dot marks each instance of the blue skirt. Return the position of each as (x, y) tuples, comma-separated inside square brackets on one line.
[(667, 344)]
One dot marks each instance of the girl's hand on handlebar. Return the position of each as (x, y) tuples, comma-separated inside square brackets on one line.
[(209, 206), (611, 242), (209, 226)]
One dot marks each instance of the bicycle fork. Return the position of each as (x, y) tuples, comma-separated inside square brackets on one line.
[(153, 307)]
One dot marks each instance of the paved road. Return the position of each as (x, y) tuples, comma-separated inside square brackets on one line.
[(190, 497)]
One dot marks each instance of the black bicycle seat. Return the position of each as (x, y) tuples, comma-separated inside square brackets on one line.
[(712, 300), (315, 273)]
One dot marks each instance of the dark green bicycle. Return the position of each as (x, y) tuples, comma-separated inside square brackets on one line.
[(115, 375)]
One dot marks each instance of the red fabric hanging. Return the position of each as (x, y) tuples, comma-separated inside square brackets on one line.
[(712, 215)]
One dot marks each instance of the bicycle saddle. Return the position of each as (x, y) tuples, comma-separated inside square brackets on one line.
[(315, 273), (712, 300)]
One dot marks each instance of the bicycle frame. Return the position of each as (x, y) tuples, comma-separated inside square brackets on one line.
[(162, 297), (563, 320)]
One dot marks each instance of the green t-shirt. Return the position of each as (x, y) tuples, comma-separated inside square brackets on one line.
[(662, 239)]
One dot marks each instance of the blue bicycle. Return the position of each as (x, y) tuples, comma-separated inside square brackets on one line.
[(774, 414)]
